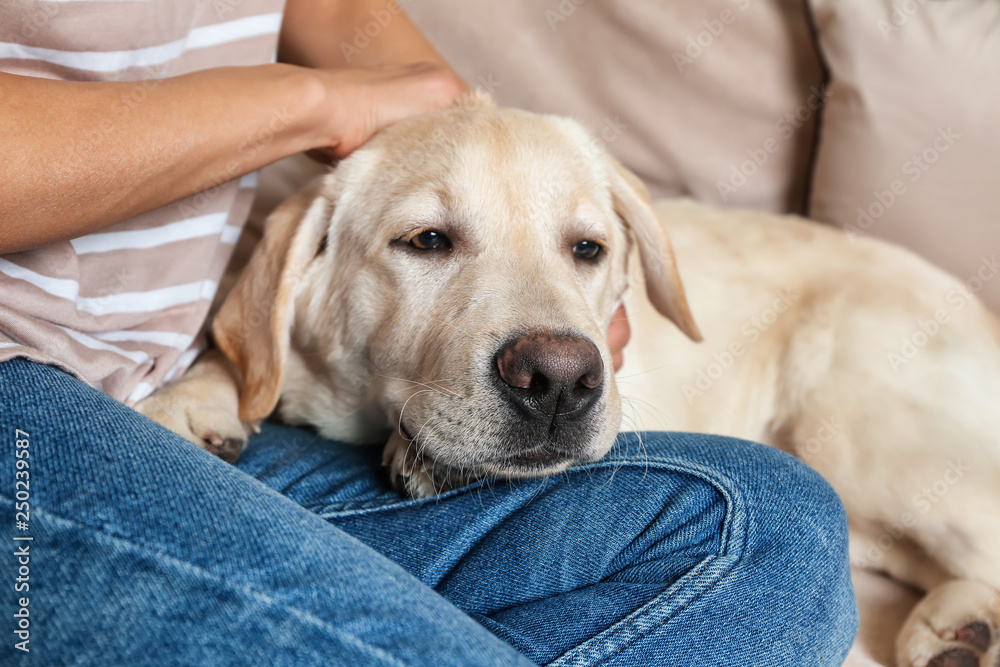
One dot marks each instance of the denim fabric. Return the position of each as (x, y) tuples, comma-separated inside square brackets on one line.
[(675, 549)]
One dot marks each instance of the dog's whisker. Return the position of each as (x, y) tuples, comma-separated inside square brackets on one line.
[(416, 382), (416, 437), (619, 378), (399, 425), (455, 326), (633, 401), (441, 390), (437, 383), (640, 435)]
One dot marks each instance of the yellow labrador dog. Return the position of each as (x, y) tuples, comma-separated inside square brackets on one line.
[(446, 292)]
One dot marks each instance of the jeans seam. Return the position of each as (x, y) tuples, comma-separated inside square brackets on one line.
[(730, 527), (208, 575), (658, 603), (329, 510)]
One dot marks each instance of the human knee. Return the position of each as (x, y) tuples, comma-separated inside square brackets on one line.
[(797, 550), (778, 489), (787, 521)]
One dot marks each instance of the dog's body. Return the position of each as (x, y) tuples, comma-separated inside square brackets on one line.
[(487, 356), (857, 357)]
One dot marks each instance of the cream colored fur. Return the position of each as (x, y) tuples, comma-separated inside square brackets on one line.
[(855, 356)]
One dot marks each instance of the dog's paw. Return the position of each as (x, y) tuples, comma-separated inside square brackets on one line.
[(202, 412), (955, 625), (407, 470)]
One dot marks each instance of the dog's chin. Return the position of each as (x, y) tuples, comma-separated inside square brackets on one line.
[(443, 475), (427, 468), (534, 463)]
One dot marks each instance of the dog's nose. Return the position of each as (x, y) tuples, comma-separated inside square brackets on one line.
[(551, 376)]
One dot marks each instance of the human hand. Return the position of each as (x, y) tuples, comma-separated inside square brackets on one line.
[(619, 333), (361, 101)]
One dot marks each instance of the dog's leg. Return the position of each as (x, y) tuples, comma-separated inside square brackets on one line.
[(418, 476), (950, 553), (203, 406), (407, 471), (956, 625)]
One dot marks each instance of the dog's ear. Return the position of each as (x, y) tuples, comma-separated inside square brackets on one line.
[(252, 326), (663, 282)]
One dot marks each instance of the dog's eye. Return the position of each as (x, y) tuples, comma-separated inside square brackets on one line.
[(430, 240), (587, 250)]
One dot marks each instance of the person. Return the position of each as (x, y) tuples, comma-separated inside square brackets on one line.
[(131, 135)]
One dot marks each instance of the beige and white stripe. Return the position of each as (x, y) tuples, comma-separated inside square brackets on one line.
[(124, 308)]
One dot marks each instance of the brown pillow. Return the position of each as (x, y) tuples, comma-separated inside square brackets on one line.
[(910, 139), (707, 98)]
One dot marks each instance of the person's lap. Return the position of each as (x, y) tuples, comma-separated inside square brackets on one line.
[(687, 549)]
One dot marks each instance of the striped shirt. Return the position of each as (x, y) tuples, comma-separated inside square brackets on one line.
[(124, 309)]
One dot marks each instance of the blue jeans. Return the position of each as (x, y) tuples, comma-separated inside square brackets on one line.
[(674, 549)]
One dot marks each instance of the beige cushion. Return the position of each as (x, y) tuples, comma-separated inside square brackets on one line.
[(910, 141), (680, 113)]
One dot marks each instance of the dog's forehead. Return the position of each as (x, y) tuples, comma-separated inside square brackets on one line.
[(492, 159)]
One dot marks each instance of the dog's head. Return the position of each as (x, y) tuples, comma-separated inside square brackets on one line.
[(452, 281)]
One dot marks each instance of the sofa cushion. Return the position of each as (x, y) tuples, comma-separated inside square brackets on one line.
[(709, 99), (910, 136)]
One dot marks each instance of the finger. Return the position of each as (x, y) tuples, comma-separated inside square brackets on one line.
[(619, 331), (384, 96), (617, 360), (416, 90)]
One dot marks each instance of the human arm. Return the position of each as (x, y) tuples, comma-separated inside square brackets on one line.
[(76, 157)]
